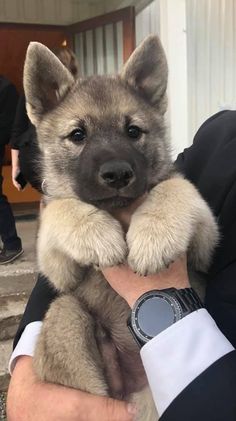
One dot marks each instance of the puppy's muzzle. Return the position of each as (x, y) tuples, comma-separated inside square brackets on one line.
[(116, 174)]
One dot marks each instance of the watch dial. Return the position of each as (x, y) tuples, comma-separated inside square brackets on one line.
[(155, 315)]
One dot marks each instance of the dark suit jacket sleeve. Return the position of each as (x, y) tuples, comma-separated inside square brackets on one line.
[(210, 397), (41, 297), (21, 124)]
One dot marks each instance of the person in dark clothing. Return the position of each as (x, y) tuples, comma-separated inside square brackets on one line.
[(210, 163), (12, 247), (25, 151)]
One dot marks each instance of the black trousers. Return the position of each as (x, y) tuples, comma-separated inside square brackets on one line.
[(8, 233)]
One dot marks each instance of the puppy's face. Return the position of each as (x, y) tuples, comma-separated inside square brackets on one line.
[(102, 138)]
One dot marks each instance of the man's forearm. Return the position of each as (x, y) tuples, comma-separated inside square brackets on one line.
[(15, 158)]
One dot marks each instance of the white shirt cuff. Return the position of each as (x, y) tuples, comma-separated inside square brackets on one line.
[(26, 344), (175, 357)]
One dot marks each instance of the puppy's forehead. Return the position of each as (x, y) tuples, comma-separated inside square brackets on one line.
[(101, 95)]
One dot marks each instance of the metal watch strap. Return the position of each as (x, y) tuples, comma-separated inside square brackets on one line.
[(188, 299)]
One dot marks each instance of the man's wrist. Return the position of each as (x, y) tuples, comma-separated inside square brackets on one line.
[(15, 169), (175, 276), (135, 295)]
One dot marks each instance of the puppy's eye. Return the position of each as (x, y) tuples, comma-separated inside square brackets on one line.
[(134, 132), (77, 135)]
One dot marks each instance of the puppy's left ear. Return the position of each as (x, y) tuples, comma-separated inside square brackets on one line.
[(46, 81), (147, 72)]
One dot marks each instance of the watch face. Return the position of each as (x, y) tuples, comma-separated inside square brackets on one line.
[(153, 314)]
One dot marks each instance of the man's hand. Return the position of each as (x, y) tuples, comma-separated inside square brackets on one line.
[(14, 173), (32, 400), (131, 286), (15, 167)]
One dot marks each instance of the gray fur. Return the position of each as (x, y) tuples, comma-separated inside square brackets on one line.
[(84, 341)]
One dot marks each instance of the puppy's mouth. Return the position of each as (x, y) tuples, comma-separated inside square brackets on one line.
[(113, 202), (108, 198)]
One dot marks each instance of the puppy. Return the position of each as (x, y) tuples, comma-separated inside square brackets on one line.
[(104, 145)]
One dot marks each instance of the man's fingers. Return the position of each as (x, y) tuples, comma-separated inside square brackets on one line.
[(17, 185), (118, 411), (113, 410)]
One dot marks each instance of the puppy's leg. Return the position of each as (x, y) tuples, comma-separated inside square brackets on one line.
[(173, 219), (71, 233), (67, 352)]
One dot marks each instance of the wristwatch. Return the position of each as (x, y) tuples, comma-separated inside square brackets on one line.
[(156, 310)]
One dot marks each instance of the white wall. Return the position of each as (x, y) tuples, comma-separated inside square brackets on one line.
[(148, 21), (167, 18), (211, 41), (199, 37)]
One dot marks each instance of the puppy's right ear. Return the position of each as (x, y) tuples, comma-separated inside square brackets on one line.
[(46, 81), (146, 71)]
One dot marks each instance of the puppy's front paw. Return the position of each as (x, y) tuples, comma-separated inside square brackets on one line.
[(152, 244), (89, 236), (103, 241)]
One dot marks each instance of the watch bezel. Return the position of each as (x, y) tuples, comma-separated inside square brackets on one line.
[(175, 306)]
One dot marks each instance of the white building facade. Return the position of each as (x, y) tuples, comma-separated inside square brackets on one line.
[(199, 37)]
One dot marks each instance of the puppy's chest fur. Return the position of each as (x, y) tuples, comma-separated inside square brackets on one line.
[(123, 368)]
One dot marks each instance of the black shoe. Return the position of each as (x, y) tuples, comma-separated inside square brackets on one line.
[(7, 256)]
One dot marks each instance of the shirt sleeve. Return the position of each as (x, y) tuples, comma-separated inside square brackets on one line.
[(26, 344), (179, 354), (21, 124)]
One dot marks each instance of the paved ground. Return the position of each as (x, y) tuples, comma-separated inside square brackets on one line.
[(2, 406)]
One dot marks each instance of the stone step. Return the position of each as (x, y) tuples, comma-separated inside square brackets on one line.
[(14, 293), (11, 311), (17, 284), (5, 353)]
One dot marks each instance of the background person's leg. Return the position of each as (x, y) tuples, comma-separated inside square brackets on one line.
[(12, 247)]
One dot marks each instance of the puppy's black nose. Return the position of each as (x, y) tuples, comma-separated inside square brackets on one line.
[(116, 174)]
